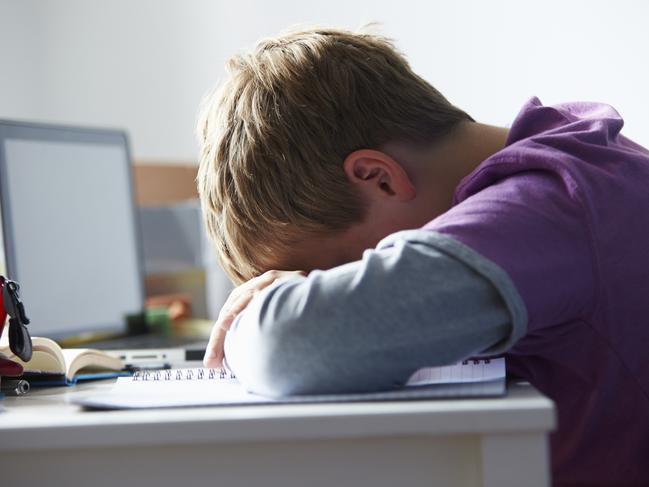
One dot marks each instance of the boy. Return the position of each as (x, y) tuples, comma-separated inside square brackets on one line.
[(529, 241)]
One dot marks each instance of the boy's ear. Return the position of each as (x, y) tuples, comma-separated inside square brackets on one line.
[(379, 175)]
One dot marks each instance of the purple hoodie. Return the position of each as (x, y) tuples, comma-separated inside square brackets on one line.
[(564, 210)]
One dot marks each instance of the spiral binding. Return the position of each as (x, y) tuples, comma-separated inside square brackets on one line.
[(476, 361), (224, 374), (182, 375)]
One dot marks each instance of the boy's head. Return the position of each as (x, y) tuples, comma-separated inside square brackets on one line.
[(277, 138)]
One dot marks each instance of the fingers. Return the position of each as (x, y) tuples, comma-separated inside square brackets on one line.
[(214, 352), (237, 301)]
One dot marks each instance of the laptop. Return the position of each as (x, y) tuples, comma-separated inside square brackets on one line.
[(72, 240)]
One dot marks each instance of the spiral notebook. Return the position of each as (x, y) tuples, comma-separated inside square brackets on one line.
[(215, 387)]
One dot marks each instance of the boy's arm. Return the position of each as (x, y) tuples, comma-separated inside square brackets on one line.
[(420, 299)]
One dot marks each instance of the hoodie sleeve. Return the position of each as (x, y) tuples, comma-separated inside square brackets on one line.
[(419, 299)]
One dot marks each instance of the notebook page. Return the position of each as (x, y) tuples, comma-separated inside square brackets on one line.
[(215, 387), (225, 382), (177, 387), (472, 370)]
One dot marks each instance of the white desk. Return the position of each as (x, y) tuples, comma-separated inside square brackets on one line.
[(486, 442)]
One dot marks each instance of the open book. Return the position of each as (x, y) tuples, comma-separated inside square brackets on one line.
[(214, 387), (51, 365)]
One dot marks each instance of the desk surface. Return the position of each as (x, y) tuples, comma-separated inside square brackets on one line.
[(44, 419), (464, 442)]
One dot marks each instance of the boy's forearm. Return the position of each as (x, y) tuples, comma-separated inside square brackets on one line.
[(370, 324)]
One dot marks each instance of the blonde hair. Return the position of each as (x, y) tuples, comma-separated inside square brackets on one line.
[(274, 136)]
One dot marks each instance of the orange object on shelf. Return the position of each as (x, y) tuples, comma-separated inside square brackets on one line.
[(178, 306)]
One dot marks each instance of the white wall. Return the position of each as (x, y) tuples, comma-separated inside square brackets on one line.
[(144, 65)]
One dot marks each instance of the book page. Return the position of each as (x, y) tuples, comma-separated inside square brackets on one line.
[(46, 355), (89, 359)]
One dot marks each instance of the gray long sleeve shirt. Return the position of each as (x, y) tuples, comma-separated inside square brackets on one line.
[(419, 299)]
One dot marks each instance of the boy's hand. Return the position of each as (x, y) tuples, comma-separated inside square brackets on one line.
[(235, 304)]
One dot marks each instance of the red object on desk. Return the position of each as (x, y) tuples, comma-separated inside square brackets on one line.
[(3, 313), (7, 367)]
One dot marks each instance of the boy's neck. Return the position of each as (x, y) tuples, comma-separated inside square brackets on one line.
[(437, 171), (466, 148)]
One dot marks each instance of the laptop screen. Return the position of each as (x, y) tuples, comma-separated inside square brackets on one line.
[(70, 235)]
